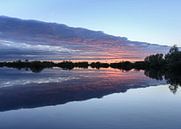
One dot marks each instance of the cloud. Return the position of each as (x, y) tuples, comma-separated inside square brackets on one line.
[(45, 80), (34, 47)]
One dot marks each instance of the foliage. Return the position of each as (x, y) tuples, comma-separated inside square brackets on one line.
[(155, 61)]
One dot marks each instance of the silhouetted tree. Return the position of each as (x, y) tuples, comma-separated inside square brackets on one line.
[(99, 65), (173, 59), (155, 61)]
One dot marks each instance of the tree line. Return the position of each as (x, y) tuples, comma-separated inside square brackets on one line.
[(170, 62)]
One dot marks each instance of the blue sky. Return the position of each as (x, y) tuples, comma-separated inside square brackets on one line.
[(154, 21)]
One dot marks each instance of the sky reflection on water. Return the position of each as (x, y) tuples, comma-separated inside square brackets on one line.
[(86, 99), (149, 108)]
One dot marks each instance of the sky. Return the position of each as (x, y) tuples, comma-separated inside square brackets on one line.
[(153, 21)]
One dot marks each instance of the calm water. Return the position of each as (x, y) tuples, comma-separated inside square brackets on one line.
[(86, 99)]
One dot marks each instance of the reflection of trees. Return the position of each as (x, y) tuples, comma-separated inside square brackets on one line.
[(36, 69), (155, 74), (173, 88), (172, 78)]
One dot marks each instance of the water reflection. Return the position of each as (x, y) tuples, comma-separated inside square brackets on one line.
[(174, 79), (25, 89)]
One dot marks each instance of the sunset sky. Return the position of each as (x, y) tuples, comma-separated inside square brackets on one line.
[(153, 21)]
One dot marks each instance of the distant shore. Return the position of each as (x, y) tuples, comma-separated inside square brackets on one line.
[(125, 65)]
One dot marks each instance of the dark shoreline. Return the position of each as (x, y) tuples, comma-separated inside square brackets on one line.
[(38, 66), (68, 65)]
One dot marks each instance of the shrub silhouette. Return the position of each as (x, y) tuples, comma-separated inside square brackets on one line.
[(99, 65), (156, 61), (126, 65), (66, 65), (173, 59), (81, 65)]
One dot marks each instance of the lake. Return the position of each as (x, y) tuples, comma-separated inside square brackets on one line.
[(86, 99)]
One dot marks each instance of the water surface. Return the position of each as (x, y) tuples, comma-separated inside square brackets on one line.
[(86, 99)]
